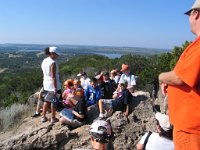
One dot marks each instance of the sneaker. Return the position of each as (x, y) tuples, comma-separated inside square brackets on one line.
[(101, 115), (35, 115), (54, 120), (44, 119)]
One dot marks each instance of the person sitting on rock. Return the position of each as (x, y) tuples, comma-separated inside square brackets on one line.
[(85, 80), (119, 104), (68, 85), (79, 111), (92, 93), (101, 135), (162, 139)]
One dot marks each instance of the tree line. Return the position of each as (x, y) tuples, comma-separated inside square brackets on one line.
[(16, 88)]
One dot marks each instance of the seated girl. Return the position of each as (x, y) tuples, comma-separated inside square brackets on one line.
[(68, 85), (78, 113)]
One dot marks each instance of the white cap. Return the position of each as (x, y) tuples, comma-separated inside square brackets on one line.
[(54, 50), (163, 121), (196, 5), (99, 128)]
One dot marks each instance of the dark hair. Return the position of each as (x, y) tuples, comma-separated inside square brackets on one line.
[(46, 51), (93, 80), (166, 134)]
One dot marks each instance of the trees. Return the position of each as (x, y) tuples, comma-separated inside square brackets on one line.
[(19, 84)]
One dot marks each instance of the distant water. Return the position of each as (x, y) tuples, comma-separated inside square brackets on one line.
[(109, 55)]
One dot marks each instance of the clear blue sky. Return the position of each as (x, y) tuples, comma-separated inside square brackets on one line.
[(137, 23)]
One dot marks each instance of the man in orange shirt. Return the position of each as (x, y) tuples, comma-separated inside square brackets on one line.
[(183, 87)]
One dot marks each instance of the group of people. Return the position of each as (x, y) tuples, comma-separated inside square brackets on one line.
[(111, 91)]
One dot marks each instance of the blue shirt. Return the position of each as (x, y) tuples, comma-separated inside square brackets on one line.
[(92, 95)]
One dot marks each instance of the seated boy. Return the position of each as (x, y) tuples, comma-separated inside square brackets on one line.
[(119, 104)]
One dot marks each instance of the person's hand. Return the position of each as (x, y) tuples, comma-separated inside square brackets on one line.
[(164, 87)]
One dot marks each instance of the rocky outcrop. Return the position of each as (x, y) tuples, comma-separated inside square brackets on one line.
[(32, 134)]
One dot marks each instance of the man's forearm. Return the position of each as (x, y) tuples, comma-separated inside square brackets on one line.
[(170, 78)]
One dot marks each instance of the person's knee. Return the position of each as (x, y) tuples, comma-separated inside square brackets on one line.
[(62, 120)]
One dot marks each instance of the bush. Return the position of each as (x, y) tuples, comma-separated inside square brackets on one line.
[(10, 116)]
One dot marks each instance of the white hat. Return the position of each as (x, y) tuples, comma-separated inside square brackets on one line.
[(163, 121), (54, 50), (101, 130), (196, 5)]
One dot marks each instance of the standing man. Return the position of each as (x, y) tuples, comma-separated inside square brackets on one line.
[(183, 87), (51, 81)]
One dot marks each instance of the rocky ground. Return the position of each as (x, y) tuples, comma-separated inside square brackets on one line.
[(32, 134)]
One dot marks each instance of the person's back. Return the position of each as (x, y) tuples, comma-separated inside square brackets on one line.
[(162, 140), (155, 142)]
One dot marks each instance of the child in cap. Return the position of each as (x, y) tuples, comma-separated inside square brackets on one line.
[(101, 135)]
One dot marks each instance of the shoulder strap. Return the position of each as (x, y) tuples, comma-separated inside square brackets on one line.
[(146, 140)]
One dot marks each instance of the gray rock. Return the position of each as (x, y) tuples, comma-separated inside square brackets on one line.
[(32, 134)]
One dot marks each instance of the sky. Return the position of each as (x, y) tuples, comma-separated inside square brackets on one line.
[(131, 23)]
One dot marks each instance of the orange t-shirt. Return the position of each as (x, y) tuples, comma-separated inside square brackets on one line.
[(184, 100)]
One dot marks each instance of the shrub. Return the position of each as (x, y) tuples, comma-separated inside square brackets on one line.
[(10, 116)]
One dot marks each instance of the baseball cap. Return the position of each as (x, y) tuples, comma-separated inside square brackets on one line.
[(163, 121), (82, 74), (196, 5), (124, 67), (101, 130), (54, 50)]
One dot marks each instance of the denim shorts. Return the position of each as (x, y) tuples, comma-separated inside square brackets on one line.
[(107, 104)]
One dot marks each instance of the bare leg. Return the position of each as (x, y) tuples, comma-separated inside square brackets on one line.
[(101, 109), (38, 106), (62, 120), (45, 107), (53, 111)]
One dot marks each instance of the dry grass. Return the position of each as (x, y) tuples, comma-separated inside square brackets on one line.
[(11, 116)]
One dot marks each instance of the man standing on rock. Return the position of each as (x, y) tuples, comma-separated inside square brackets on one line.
[(183, 87)]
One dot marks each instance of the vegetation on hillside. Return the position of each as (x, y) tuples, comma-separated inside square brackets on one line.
[(17, 86)]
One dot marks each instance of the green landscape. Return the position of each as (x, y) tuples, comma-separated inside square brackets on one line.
[(21, 76)]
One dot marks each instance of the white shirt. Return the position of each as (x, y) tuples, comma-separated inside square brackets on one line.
[(47, 77), (85, 82), (130, 79), (156, 142)]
